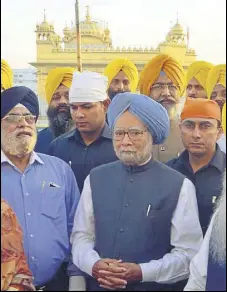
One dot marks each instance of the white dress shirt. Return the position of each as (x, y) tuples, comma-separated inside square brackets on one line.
[(186, 238), (222, 143), (199, 264)]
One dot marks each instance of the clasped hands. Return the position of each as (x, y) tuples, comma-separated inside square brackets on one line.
[(114, 274)]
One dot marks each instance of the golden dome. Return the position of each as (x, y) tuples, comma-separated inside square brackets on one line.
[(177, 29), (66, 29), (91, 27), (45, 26)]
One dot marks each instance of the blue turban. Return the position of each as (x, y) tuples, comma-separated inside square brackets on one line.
[(151, 113), (19, 94)]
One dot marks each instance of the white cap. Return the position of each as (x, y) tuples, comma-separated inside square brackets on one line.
[(88, 87)]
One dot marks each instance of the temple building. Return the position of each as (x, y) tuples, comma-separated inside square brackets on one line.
[(97, 49)]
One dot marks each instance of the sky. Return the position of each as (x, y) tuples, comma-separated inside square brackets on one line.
[(141, 23)]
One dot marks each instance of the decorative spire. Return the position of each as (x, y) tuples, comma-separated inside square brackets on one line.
[(88, 16), (44, 19), (177, 17)]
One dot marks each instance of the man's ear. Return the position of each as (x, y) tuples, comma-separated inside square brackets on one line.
[(220, 132), (106, 104)]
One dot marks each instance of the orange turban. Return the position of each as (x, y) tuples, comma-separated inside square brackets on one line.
[(6, 75), (152, 70), (129, 68), (55, 78), (201, 108), (224, 118), (199, 70), (216, 76)]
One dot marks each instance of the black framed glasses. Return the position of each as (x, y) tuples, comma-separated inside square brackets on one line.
[(15, 118), (133, 134)]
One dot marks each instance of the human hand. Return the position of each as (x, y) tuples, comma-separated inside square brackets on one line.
[(113, 280), (132, 272)]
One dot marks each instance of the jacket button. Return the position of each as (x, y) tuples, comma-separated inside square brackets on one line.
[(126, 205), (122, 230), (131, 179)]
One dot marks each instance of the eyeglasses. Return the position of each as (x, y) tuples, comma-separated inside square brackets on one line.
[(134, 134), (14, 119), (160, 87)]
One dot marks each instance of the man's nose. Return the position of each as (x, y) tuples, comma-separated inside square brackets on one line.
[(79, 113), (219, 96), (126, 140), (192, 91), (120, 86), (165, 91), (22, 123), (196, 132), (63, 100)]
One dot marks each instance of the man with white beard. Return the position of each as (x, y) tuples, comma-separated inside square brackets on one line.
[(208, 268), (41, 189)]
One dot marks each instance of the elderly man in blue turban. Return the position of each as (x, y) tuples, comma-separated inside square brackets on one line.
[(41, 189), (136, 227)]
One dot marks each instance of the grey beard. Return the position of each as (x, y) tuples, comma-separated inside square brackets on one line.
[(60, 124), (218, 237)]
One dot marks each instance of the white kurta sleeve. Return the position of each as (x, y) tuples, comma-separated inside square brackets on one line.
[(186, 238), (198, 266), (83, 235)]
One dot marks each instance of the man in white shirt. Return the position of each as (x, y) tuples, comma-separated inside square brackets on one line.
[(136, 226), (208, 268)]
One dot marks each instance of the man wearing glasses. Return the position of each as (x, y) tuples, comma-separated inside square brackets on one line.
[(41, 189), (136, 227), (163, 80)]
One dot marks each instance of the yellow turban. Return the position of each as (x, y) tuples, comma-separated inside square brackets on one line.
[(216, 76), (6, 75), (130, 70), (55, 78), (152, 70), (224, 118), (199, 70)]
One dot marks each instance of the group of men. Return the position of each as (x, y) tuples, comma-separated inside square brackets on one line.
[(119, 190)]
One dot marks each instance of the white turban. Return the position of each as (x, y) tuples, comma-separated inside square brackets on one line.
[(88, 87)]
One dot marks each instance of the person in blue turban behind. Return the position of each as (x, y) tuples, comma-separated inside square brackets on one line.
[(136, 227)]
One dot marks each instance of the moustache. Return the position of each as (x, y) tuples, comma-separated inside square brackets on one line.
[(166, 99), (112, 93), (192, 95), (63, 106), (52, 112)]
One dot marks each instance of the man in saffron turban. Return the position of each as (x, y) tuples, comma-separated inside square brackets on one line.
[(216, 90), (6, 76), (163, 80), (196, 79), (202, 162), (57, 87), (122, 77)]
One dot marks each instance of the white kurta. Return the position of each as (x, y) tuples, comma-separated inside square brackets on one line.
[(198, 266), (186, 238), (222, 143)]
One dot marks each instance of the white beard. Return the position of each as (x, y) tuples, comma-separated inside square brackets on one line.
[(218, 239)]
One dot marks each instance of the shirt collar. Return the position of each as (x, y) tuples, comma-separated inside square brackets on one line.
[(106, 133), (34, 157), (218, 160)]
